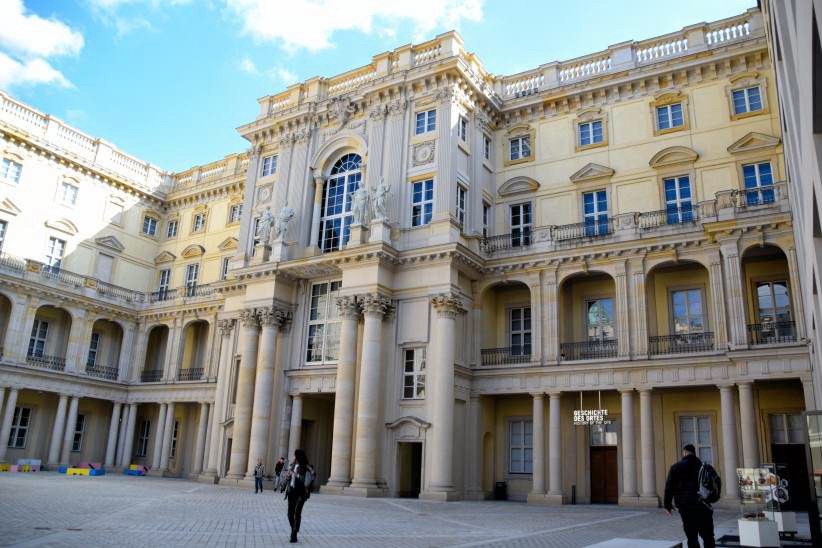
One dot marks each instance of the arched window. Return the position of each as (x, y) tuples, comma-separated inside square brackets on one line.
[(335, 215)]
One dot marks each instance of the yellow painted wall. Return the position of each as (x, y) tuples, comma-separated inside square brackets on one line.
[(574, 293), (667, 279), (496, 303), (754, 271)]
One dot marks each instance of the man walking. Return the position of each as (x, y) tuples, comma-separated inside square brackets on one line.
[(278, 471), (259, 470), (693, 486)]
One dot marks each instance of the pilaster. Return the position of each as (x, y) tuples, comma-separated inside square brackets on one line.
[(622, 311)]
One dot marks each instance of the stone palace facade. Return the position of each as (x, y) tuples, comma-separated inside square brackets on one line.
[(418, 272)]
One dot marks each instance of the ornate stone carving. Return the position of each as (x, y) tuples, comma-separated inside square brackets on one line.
[(379, 200), (286, 139), (249, 318), (359, 208), (447, 304), (378, 111), (225, 327), (375, 304), (254, 151), (445, 95), (423, 153), (341, 109), (302, 135), (264, 194), (348, 306), (397, 107), (281, 223), (272, 316), (264, 226)]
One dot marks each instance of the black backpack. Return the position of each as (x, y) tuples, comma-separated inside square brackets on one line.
[(710, 485)]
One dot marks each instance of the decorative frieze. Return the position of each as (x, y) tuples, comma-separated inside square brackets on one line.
[(423, 153)]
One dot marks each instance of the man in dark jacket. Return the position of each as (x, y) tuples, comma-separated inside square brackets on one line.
[(682, 488)]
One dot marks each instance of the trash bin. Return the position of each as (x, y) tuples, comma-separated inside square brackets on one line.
[(500, 491)]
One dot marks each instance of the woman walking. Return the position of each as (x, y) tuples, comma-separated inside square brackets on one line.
[(300, 479)]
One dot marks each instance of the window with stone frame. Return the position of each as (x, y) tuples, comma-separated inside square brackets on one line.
[(486, 147), (323, 343), (143, 437), (669, 116), (696, 430), (786, 428), (171, 229), (235, 213), (462, 129), (520, 448), (37, 341), (68, 193), (269, 166), (93, 349), (687, 311), (519, 147), (150, 225), (590, 133), (413, 373), (462, 198), (748, 99), (425, 121), (336, 215), (10, 170), (224, 268), (198, 223), (79, 431), (3, 228), (422, 202), (54, 252), (20, 423)]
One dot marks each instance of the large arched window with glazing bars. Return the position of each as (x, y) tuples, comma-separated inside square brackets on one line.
[(335, 214)]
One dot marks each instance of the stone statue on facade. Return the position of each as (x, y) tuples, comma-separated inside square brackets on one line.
[(359, 207), (282, 221), (380, 199), (264, 226), (342, 109)]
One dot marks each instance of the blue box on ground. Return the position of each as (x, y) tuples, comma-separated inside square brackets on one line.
[(62, 469), (97, 472)]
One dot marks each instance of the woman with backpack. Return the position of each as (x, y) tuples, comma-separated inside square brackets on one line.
[(299, 481)]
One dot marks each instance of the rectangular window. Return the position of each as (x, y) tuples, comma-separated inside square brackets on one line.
[(773, 311), (599, 319), (747, 100), (486, 148), (519, 147), (54, 252), (165, 279), (171, 229), (786, 428), (79, 429), (199, 222), (669, 116), (595, 213), (678, 204), (520, 459), (323, 323), (224, 268), (519, 331), (235, 213), (486, 219), (422, 202), (688, 315), (149, 226), (521, 224), (3, 226), (93, 348), (269, 166), (461, 198), (192, 273), (604, 434), (69, 193), (142, 438), (426, 121), (256, 232), (462, 129), (174, 435), (10, 171), (37, 341), (696, 430), (20, 423), (758, 183), (590, 133), (413, 385)]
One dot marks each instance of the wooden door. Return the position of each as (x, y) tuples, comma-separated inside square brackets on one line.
[(793, 454), (604, 475)]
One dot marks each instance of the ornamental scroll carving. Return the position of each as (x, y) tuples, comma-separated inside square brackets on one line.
[(348, 306), (423, 153), (272, 316), (249, 318), (448, 305), (225, 327), (375, 304)]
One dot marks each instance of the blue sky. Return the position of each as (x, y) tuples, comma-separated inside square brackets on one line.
[(170, 80)]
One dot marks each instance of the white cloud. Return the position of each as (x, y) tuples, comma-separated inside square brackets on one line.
[(285, 76), (310, 24), (129, 15), (26, 40), (248, 66)]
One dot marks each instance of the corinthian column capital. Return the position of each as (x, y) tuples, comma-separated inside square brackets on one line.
[(447, 305), (272, 316), (249, 318), (348, 306), (225, 327), (374, 304)]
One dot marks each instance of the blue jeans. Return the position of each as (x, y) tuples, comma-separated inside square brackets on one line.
[(258, 485)]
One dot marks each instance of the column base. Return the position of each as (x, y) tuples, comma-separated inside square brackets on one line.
[(442, 496), (364, 490), (644, 502), (336, 488), (546, 499), (208, 477), (476, 494), (237, 482), (157, 473)]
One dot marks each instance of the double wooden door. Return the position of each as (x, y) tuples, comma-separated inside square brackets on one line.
[(604, 475)]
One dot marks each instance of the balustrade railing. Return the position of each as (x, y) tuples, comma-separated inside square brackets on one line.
[(152, 375), (586, 229), (111, 290), (502, 242), (190, 374), (505, 355), (101, 371), (10, 262), (55, 363), (682, 343), (63, 275), (593, 349), (772, 332), (666, 217)]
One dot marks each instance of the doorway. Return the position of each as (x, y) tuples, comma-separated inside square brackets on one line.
[(604, 471), (788, 448), (409, 458)]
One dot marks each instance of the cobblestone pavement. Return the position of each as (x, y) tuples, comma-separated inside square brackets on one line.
[(48, 509)]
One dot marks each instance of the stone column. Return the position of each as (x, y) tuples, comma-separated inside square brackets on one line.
[(218, 411), (199, 447), (122, 436), (2, 398), (344, 395), (537, 321), (129, 439), (639, 311), (295, 431), (369, 416), (206, 447), (5, 428), (158, 436), (445, 181), (717, 301), (747, 415), (68, 434), (319, 185), (646, 427), (628, 445), (538, 444), (622, 312), (127, 353), (475, 462), (554, 449), (112, 433), (271, 320), (56, 432), (78, 341), (171, 366), (735, 294), (168, 433), (441, 378), (137, 359), (550, 295), (27, 314), (245, 394), (729, 450)]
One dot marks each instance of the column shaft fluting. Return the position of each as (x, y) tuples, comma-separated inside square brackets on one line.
[(112, 433), (729, 444), (628, 445), (263, 388), (57, 431), (646, 427), (538, 439), (246, 374), (68, 434), (554, 446), (344, 394)]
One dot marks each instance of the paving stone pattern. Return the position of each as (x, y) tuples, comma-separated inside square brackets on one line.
[(48, 509)]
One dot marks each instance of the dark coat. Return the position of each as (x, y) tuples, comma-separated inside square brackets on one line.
[(682, 485)]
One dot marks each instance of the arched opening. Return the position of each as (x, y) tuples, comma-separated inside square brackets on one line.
[(768, 299), (587, 317), (155, 354), (5, 317), (677, 297), (335, 211), (49, 337), (506, 325), (103, 358), (195, 342)]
